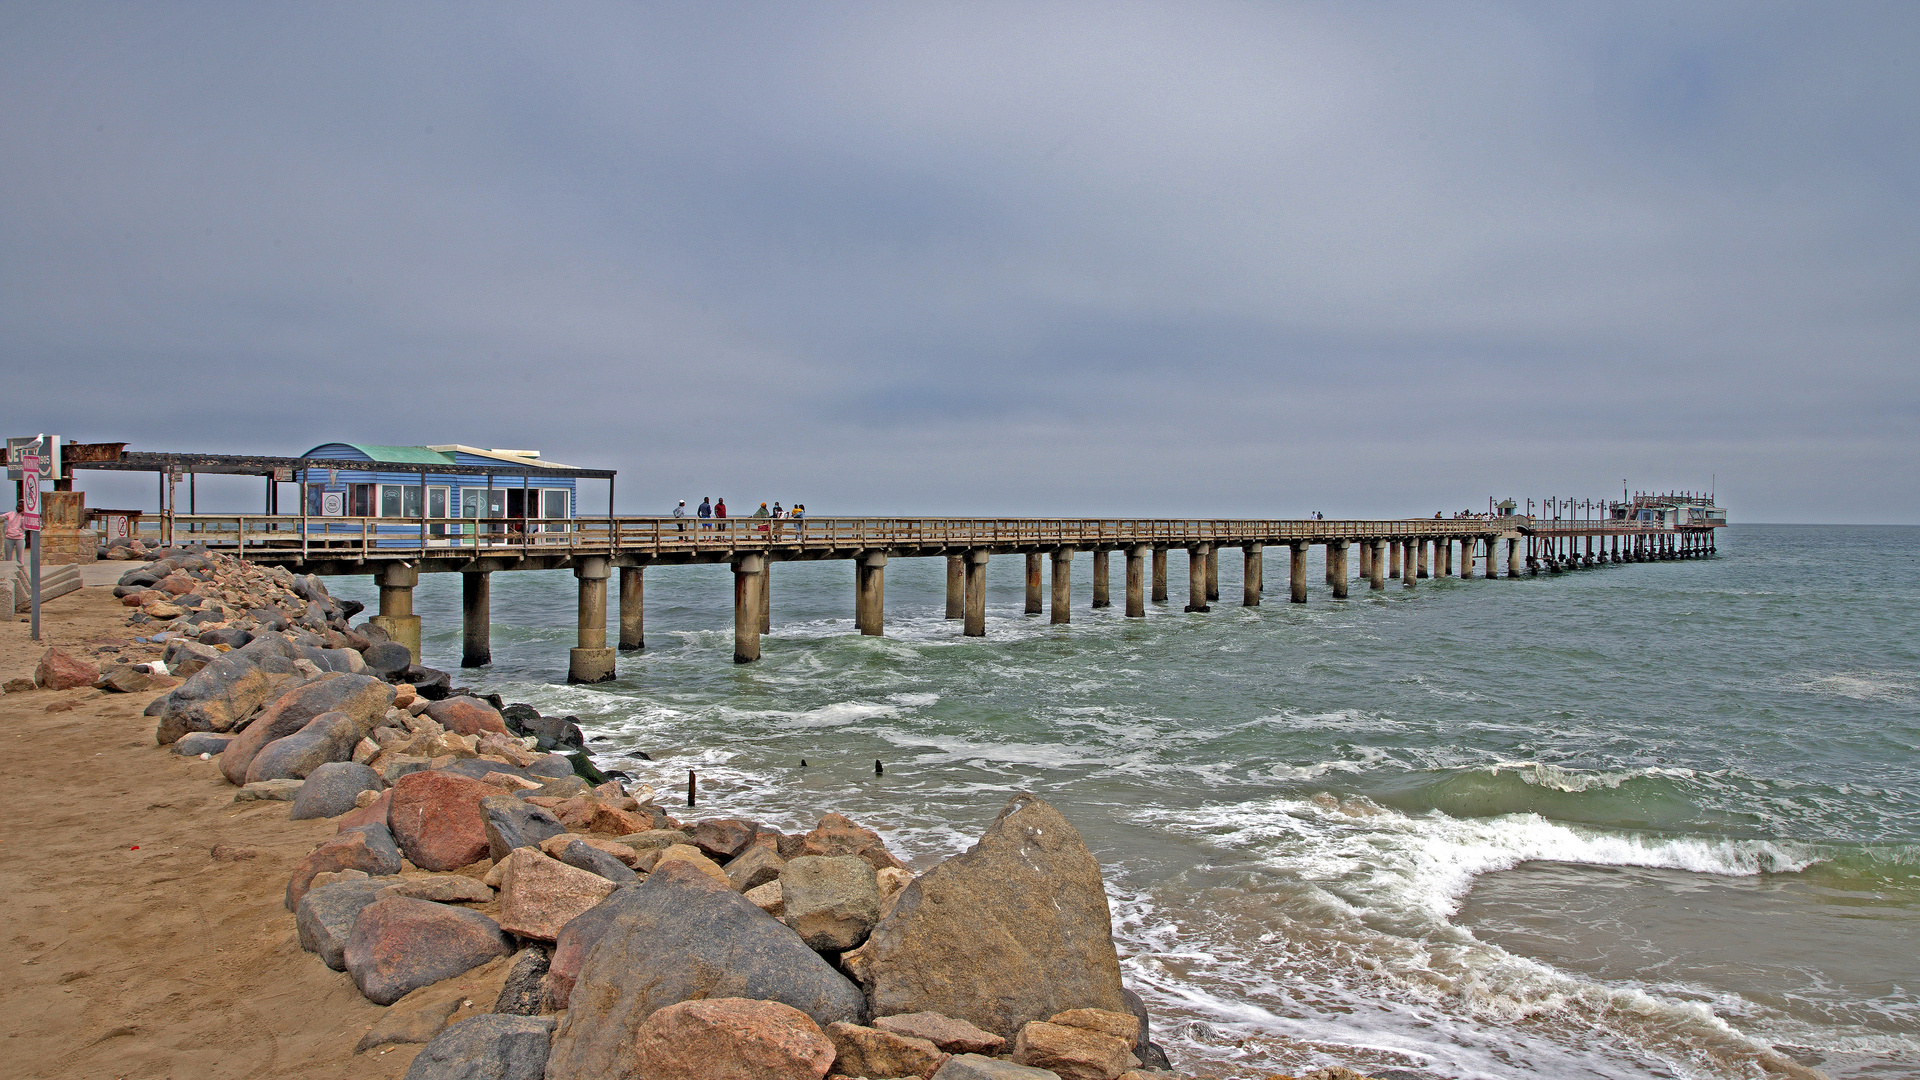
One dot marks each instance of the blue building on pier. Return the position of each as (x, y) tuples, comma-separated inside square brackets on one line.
[(406, 491)]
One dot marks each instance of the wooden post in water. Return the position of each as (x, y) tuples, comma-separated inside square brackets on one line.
[(633, 595), (956, 587), (1136, 581), (591, 661), (476, 626), (870, 595), (746, 607), (1101, 597), (975, 589), (1159, 575), (1062, 586), (1197, 578), (1337, 555), (1252, 557), (1033, 583), (1297, 572)]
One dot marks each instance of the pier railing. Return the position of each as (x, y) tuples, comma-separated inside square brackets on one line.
[(293, 537)]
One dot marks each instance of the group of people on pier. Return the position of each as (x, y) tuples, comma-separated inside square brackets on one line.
[(711, 508)]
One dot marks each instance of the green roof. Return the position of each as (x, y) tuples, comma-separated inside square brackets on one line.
[(409, 455)]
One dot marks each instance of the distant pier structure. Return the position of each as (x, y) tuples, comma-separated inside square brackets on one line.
[(476, 541)]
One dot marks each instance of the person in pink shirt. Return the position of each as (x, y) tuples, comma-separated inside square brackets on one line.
[(16, 520)]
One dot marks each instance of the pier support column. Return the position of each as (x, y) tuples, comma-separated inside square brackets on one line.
[(1159, 575), (1033, 583), (1136, 581), (956, 587), (1327, 550), (870, 592), (1197, 578), (1101, 597), (974, 568), (1253, 558), (396, 581), (633, 618), (1420, 558), (748, 580), (1213, 573), (1337, 559), (1466, 558), (1297, 572), (766, 596), (1443, 552), (591, 661), (1407, 577), (1062, 586), (476, 620), (1365, 558), (1395, 561), (1378, 564), (1493, 558), (1513, 557)]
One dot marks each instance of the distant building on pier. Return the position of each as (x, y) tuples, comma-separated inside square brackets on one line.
[(1674, 510), (407, 487)]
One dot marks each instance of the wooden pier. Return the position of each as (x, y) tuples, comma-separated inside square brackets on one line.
[(593, 548)]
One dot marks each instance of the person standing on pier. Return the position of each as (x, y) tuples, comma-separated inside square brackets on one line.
[(16, 519), (704, 512), (761, 513), (720, 510), (680, 515)]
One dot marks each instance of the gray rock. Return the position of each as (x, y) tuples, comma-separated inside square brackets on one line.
[(831, 901), (195, 743), (326, 916), (560, 787), (231, 636), (754, 867), (266, 618), (677, 936), (553, 765), (477, 769), (525, 992), (491, 1046), (327, 737), (215, 698), (331, 789), (512, 823), (388, 658), (360, 697), (580, 854), (186, 658), (1014, 930), (576, 939), (335, 659), (400, 944), (1144, 1048), (975, 1067)]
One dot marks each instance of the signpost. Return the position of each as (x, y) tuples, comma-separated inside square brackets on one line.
[(30, 507)]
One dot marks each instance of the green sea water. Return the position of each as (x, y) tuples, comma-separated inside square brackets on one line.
[(1654, 820)]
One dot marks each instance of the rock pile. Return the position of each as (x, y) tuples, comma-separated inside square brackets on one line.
[(473, 837)]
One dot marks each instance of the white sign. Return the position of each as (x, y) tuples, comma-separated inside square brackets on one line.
[(48, 451), (30, 485), (333, 504)]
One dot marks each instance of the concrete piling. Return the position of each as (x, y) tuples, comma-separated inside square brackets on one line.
[(1252, 563), (1297, 572), (1034, 606), (476, 625), (1364, 556), (1159, 575), (1136, 584), (1377, 564), (1337, 556), (746, 607), (1213, 574), (956, 587), (396, 581), (633, 595), (1197, 578), (591, 661), (1062, 586), (870, 593), (975, 570), (1513, 556), (1420, 558), (1101, 597), (1407, 577), (1395, 558)]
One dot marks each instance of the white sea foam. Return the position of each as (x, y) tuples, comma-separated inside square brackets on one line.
[(1560, 778)]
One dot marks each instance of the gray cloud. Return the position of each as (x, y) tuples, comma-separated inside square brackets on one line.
[(1153, 259)]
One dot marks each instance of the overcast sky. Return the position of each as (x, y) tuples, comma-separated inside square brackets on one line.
[(1181, 259)]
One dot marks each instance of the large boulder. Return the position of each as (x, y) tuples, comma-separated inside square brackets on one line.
[(436, 819), (399, 944), (586, 856), (977, 1067), (832, 901), (953, 1036), (327, 737), (466, 715), (539, 895), (679, 936), (491, 1046), (753, 868), (1014, 930), (575, 941), (525, 991), (723, 838), (1073, 1053), (326, 915), (731, 1038), (837, 834), (331, 789), (363, 700), (216, 697), (510, 822), (369, 849), (389, 659)]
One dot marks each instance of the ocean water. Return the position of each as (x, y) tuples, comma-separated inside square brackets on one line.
[(1657, 820)]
